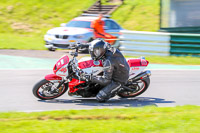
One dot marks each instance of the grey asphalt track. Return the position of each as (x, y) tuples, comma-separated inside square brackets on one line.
[(167, 88)]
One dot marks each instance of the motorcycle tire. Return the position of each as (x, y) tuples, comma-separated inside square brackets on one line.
[(44, 82), (128, 94)]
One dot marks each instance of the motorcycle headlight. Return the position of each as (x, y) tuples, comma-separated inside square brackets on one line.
[(79, 36)]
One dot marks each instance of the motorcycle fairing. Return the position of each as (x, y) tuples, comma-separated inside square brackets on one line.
[(137, 62), (93, 70), (74, 82), (87, 63), (136, 66), (60, 68), (88, 66), (52, 77)]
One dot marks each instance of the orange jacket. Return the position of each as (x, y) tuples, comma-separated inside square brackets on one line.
[(98, 25)]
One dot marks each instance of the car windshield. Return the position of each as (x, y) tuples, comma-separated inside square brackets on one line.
[(80, 24)]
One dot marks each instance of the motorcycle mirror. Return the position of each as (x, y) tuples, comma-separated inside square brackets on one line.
[(96, 63), (75, 54)]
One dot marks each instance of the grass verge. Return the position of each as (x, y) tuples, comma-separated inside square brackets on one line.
[(16, 41), (138, 15), (23, 23), (38, 16), (184, 119)]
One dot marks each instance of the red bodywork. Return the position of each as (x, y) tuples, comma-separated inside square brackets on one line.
[(88, 64), (60, 63), (53, 77), (137, 62), (73, 83)]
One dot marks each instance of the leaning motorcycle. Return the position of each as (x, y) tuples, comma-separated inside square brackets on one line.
[(69, 75)]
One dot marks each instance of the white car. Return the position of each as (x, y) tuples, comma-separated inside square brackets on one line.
[(78, 30)]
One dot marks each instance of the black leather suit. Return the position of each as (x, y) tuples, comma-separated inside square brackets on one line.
[(116, 73)]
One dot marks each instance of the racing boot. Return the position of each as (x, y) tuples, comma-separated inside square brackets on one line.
[(108, 91)]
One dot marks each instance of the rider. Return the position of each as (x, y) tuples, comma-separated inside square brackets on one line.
[(116, 69), (98, 26)]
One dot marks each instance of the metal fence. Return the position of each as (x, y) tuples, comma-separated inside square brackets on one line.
[(157, 43), (185, 44)]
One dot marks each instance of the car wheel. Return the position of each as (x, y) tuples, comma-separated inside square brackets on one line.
[(52, 49)]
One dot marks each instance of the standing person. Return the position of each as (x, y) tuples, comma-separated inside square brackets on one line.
[(99, 32), (115, 72)]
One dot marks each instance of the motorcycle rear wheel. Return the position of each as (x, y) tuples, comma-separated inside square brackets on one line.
[(43, 90), (141, 88)]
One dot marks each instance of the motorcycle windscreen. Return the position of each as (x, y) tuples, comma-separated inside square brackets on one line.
[(60, 68)]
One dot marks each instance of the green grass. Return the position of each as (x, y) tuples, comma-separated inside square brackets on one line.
[(38, 16), (13, 41), (139, 15), (175, 60), (23, 23), (183, 119)]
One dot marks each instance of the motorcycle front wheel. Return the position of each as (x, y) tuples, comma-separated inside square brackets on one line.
[(138, 88), (47, 90)]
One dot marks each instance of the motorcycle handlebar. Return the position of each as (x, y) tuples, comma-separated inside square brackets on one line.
[(79, 45), (76, 47), (84, 45)]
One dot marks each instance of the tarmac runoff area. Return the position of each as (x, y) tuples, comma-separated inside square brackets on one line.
[(8, 62)]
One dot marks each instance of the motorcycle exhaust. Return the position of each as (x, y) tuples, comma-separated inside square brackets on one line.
[(146, 73), (127, 88)]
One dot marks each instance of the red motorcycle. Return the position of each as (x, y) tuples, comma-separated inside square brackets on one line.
[(69, 75)]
